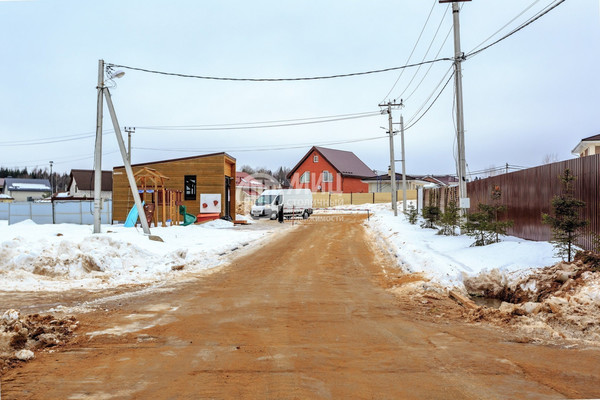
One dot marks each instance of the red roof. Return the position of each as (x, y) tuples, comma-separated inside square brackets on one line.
[(345, 162), (247, 181)]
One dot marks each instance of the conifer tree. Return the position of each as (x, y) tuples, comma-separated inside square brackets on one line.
[(566, 223)]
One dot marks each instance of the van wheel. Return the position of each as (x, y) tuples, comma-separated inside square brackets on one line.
[(274, 215), (305, 215)]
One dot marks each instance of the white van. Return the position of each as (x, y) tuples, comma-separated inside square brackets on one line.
[(295, 202)]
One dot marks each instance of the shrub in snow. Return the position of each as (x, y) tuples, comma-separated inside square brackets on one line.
[(449, 220), (485, 225), (431, 214), (412, 214), (566, 222)]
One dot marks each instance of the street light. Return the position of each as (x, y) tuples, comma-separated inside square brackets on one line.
[(51, 185), (104, 94)]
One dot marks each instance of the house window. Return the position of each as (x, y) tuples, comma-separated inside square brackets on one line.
[(327, 176), (305, 177), (190, 187), (316, 159)]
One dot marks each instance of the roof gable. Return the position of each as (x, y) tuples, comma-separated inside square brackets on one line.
[(345, 162), (591, 138), (84, 178)]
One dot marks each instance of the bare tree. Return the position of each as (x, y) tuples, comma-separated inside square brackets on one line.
[(550, 158)]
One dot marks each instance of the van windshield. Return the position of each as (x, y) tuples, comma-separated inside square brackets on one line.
[(265, 199)]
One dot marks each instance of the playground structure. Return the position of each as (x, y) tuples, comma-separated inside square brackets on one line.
[(159, 202)]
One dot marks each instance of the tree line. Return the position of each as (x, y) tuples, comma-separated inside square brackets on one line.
[(59, 181)]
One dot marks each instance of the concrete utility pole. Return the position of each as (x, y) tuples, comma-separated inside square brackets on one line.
[(404, 209), (129, 131), (103, 92), (389, 106), (460, 122), (98, 148)]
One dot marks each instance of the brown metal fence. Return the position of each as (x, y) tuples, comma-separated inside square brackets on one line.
[(528, 193)]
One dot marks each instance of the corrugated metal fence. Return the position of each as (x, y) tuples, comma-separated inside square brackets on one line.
[(59, 212), (528, 194)]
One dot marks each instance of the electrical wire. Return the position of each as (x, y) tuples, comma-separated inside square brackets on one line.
[(312, 78), (249, 126), (270, 148), (412, 52), (521, 27), (57, 139), (426, 53), (258, 122), (430, 66), (410, 123), (505, 25)]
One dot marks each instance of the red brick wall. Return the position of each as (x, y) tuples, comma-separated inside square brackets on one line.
[(354, 185), (338, 185)]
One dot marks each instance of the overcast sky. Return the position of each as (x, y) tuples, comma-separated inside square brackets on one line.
[(537, 93)]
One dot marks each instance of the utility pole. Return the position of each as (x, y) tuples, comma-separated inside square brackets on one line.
[(389, 106), (404, 209), (461, 167), (103, 92), (129, 131), (98, 149)]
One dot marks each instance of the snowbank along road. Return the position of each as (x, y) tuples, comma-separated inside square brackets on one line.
[(308, 315)]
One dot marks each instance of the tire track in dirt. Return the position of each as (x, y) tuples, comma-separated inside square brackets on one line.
[(307, 315)]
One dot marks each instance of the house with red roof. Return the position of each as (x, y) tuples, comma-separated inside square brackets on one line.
[(330, 170), (588, 146)]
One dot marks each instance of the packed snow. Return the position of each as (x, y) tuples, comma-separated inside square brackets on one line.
[(66, 256), (448, 260)]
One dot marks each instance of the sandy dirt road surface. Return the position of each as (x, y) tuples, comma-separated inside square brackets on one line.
[(306, 316)]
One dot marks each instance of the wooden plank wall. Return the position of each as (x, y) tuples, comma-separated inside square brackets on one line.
[(210, 174)]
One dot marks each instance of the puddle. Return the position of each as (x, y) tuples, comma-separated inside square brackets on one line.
[(489, 302)]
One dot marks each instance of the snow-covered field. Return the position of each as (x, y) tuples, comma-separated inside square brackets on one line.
[(67, 256)]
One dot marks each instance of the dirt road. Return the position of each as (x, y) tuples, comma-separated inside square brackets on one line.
[(306, 317)]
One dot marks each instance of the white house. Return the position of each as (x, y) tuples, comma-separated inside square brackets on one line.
[(27, 189), (588, 146), (81, 184), (383, 183)]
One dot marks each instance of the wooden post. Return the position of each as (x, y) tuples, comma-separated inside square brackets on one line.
[(164, 204)]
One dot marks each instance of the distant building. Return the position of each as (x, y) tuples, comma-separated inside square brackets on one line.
[(588, 146), (330, 170), (383, 183), (81, 184), (440, 180), (27, 189)]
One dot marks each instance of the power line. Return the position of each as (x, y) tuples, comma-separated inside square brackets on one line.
[(505, 25), (426, 54), (524, 25), (432, 103), (270, 148), (259, 122), (412, 51), (224, 127), (56, 139), (312, 78)]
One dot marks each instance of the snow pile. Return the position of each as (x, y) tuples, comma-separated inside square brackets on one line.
[(65, 256), (19, 336), (542, 297), (448, 260)]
